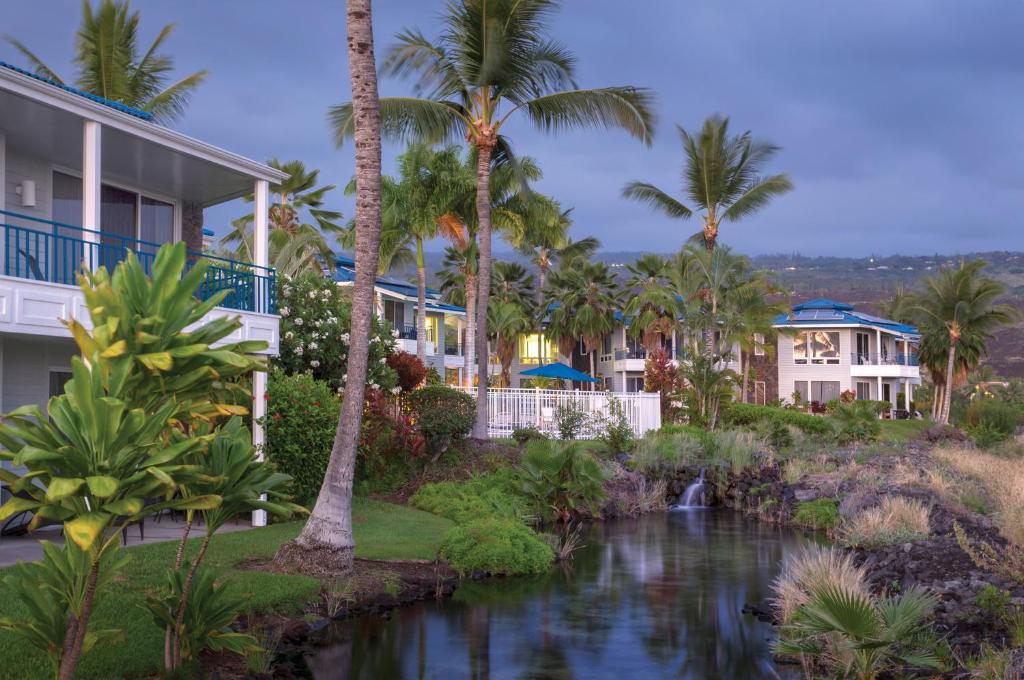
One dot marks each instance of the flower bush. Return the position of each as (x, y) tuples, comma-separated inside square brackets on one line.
[(316, 318), (444, 416), (409, 370), (389, 446)]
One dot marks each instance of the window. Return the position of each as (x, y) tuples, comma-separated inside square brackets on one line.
[(824, 391), (760, 392), (635, 384), (535, 348), (606, 345), (156, 223), (394, 312), (800, 393), (800, 348), (430, 327), (863, 390), (758, 344), (451, 377), (57, 381), (820, 347)]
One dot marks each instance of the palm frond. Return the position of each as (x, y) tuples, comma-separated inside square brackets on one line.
[(628, 108), (170, 103), (35, 63), (757, 195), (656, 198), (436, 75), (404, 118)]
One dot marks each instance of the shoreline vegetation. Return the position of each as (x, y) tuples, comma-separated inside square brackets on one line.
[(893, 508)]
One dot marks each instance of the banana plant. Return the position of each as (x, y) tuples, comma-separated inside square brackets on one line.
[(95, 463), (232, 473)]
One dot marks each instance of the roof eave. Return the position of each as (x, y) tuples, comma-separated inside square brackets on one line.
[(49, 95)]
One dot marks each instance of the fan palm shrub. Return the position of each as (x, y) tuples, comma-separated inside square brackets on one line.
[(562, 480)]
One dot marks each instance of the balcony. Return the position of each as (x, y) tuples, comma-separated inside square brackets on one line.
[(894, 365), (452, 349), (52, 252), (629, 359)]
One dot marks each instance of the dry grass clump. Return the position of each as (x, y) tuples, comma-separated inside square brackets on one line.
[(1003, 481), (808, 571), (896, 520), (649, 496)]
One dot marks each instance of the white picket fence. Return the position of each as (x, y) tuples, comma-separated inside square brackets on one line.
[(511, 408)]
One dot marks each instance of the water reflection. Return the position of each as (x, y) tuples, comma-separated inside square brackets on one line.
[(655, 597)]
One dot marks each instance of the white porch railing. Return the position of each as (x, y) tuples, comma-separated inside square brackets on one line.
[(511, 408)]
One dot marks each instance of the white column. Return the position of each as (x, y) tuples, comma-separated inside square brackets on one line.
[(878, 355), (259, 410), (92, 182), (878, 395), (260, 237), (906, 352), (3, 174), (909, 394), (259, 379)]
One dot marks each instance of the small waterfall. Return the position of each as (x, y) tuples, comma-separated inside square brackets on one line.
[(693, 496)]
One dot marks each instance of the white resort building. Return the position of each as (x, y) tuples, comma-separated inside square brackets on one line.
[(826, 348), (84, 180)]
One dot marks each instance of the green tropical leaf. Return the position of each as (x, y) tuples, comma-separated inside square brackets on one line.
[(102, 486), (62, 487), (86, 529), (14, 505)]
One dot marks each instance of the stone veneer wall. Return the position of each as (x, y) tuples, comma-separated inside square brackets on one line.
[(192, 226)]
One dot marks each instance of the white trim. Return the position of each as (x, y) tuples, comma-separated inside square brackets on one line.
[(260, 235), (92, 186), (259, 411), (3, 172), (44, 93), (764, 392), (758, 344)]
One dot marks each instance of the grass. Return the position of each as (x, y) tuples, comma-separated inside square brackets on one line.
[(902, 431), (382, 531), (896, 520), (809, 569), (822, 513), (1002, 479)]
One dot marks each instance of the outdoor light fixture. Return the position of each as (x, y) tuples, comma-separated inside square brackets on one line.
[(27, 191)]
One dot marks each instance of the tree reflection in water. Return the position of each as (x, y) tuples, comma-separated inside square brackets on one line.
[(659, 596)]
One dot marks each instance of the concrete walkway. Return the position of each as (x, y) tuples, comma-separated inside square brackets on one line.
[(27, 548)]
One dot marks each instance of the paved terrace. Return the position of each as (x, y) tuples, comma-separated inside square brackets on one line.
[(27, 548)]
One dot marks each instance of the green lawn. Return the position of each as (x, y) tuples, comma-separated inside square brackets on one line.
[(382, 531), (901, 431)]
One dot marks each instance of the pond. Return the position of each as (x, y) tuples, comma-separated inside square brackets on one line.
[(659, 596)]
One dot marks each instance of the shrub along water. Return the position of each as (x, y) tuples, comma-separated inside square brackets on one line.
[(563, 481), (444, 416)]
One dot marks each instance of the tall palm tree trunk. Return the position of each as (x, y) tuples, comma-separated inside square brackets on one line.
[(485, 145), (470, 345), (947, 393), (542, 275), (593, 386), (326, 543), (421, 304)]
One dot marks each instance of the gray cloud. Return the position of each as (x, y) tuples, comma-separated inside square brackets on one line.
[(899, 121)]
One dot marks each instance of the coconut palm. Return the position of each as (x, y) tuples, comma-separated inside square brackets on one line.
[(494, 59), (326, 542), (110, 63), (651, 306), (546, 239), (722, 177), (959, 314), (511, 283), (587, 302), (298, 223), (506, 321), (749, 314)]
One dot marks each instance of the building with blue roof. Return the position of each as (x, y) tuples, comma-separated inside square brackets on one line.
[(396, 302), (827, 347)]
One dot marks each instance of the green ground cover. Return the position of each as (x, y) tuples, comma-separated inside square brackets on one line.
[(382, 531), (902, 430)]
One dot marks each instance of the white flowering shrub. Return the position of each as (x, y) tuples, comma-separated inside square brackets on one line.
[(315, 324)]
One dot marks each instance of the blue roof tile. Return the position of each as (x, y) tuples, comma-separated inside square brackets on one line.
[(117, 106)]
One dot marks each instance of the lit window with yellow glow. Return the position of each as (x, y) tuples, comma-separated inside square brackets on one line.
[(535, 348)]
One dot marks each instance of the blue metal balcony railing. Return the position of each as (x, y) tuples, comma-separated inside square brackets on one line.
[(43, 250), (874, 359), (407, 332)]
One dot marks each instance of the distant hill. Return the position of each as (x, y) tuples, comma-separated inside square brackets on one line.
[(862, 281)]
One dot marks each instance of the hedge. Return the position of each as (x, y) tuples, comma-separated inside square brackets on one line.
[(752, 414)]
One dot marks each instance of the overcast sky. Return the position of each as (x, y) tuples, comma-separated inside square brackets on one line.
[(900, 122)]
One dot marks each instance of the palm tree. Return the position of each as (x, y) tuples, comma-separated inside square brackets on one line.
[(958, 312), (507, 320), (750, 314), (651, 306), (493, 60), (511, 283), (107, 56), (546, 239), (588, 300), (417, 204), (326, 543), (296, 245), (722, 177)]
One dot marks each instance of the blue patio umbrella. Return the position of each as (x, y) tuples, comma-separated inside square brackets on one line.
[(559, 370)]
